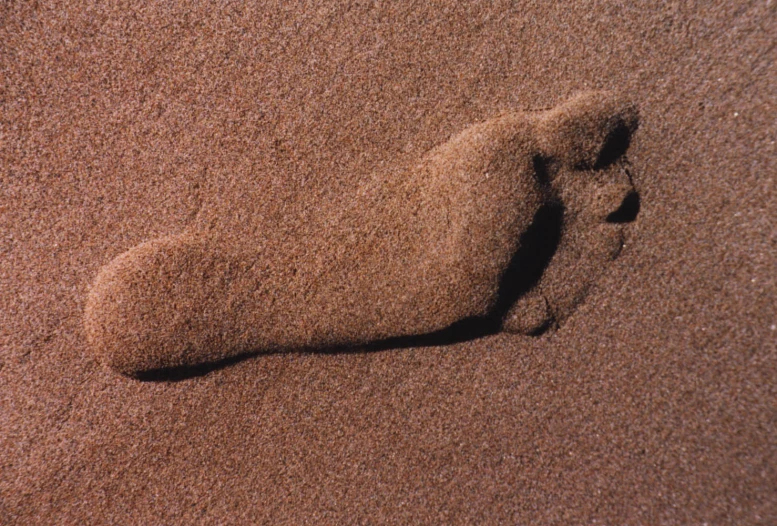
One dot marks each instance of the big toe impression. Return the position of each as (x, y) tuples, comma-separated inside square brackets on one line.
[(591, 130), (150, 308)]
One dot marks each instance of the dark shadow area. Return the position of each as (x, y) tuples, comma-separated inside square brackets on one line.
[(615, 145), (628, 211), (541, 172), (536, 248), (461, 331), (177, 374)]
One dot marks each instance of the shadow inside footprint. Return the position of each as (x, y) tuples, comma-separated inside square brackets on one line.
[(178, 374), (616, 143), (628, 210)]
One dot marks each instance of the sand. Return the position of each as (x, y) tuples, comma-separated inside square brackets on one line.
[(652, 402)]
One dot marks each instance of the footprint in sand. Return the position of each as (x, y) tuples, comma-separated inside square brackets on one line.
[(504, 227)]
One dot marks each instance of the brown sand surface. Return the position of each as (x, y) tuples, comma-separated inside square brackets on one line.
[(655, 402)]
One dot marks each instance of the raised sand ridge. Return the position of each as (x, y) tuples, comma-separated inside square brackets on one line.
[(490, 227)]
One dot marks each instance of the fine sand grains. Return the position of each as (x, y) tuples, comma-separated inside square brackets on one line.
[(510, 220)]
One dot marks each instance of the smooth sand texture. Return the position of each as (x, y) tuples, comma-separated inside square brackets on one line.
[(435, 252), (652, 403)]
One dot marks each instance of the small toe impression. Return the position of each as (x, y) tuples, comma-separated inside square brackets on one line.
[(627, 211), (592, 130), (530, 316), (615, 203)]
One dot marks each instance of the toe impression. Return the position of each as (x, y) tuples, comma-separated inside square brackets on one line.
[(591, 130)]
